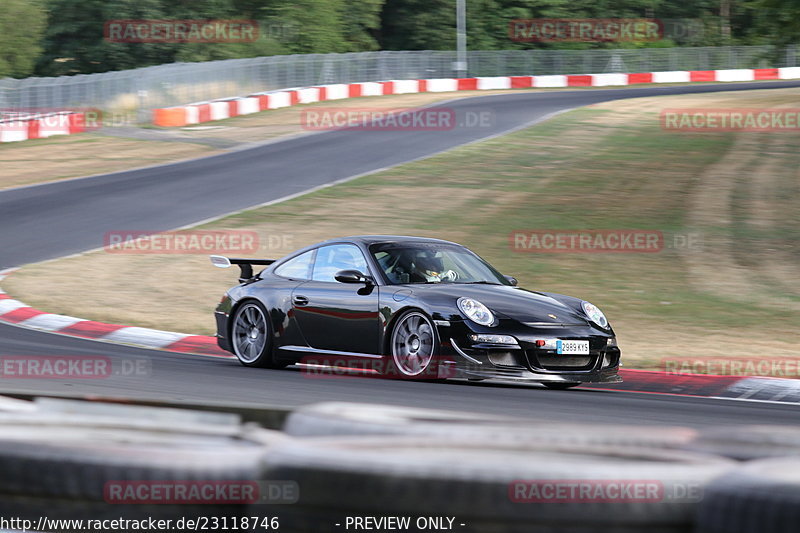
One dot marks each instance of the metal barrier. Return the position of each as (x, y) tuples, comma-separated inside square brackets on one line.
[(141, 90)]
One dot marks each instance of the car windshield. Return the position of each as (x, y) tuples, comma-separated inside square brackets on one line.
[(404, 263)]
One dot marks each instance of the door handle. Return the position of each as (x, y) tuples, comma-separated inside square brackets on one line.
[(300, 300)]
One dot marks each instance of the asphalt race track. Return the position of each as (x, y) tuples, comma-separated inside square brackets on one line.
[(52, 220)]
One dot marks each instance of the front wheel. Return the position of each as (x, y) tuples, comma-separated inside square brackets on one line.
[(413, 347), (251, 336)]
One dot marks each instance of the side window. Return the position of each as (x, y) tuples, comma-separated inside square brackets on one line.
[(297, 268), (332, 259)]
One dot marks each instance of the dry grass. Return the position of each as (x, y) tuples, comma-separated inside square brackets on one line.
[(607, 167), (58, 158)]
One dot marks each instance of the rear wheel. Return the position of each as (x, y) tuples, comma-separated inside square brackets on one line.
[(560, 385), (251, 336), (413, 346)]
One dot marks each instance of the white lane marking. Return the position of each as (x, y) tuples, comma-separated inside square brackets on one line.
[(775, 402), (683, 395), (51, 322), (144, 336)]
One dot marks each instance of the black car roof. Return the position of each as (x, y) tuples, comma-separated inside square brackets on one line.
[(372, 239), (365, 240)]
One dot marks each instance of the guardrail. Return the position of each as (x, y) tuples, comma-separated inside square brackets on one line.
[(199, 112), (141, 90)]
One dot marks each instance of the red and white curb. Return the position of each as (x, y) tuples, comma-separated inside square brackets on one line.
[(760, 389), (40, 126), (197, 113), (16, 312)]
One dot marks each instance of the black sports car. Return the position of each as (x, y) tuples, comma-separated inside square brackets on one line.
[(414, 307)]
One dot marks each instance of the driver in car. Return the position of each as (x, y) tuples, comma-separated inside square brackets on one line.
[(429, 268)]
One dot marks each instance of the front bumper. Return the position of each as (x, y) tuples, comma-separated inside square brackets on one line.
[(221, 316), (526, 361)]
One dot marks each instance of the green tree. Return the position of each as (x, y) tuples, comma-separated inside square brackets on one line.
[(75, 42), (316, 25), (361, 21), (418, 25), (22, 24), (430, 24), (779, 19)]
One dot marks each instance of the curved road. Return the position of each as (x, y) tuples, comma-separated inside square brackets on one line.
[(52, 220)]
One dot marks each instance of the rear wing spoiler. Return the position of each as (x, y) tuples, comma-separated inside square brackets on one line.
[(245, 265)]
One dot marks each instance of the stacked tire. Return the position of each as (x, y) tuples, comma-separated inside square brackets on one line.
[(60, 459), (763, 494), (434, 469), (488, 474)]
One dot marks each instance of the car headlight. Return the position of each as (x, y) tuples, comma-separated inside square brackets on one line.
[(595, 314), (494, 339), (476, 311)]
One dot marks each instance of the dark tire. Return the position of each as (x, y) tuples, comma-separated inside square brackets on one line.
[(746, 443), (476, 481), (64, 459), (251, 336), (761, 496), (413, 348), (340, 418), (560, 386)]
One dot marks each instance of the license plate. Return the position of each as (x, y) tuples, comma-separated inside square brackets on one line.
[(572, 347)]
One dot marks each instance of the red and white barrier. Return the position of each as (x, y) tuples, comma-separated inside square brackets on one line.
[(21, 128), (180, 116), (308, 96), (489, 84), (334, 92), (441, 85), (370, 88), (549, 81), (219, 110), (278, 100), (405, 86), (672, 77), (39, 126)]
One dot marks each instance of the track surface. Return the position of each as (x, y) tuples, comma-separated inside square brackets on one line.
[(52, 220)]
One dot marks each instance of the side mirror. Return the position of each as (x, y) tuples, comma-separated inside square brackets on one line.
[(512, 280), (352, 276)]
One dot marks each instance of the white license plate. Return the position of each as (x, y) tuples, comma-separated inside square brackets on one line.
[(572, 347)]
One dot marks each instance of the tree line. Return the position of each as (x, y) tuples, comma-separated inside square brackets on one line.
[(62, 37)]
